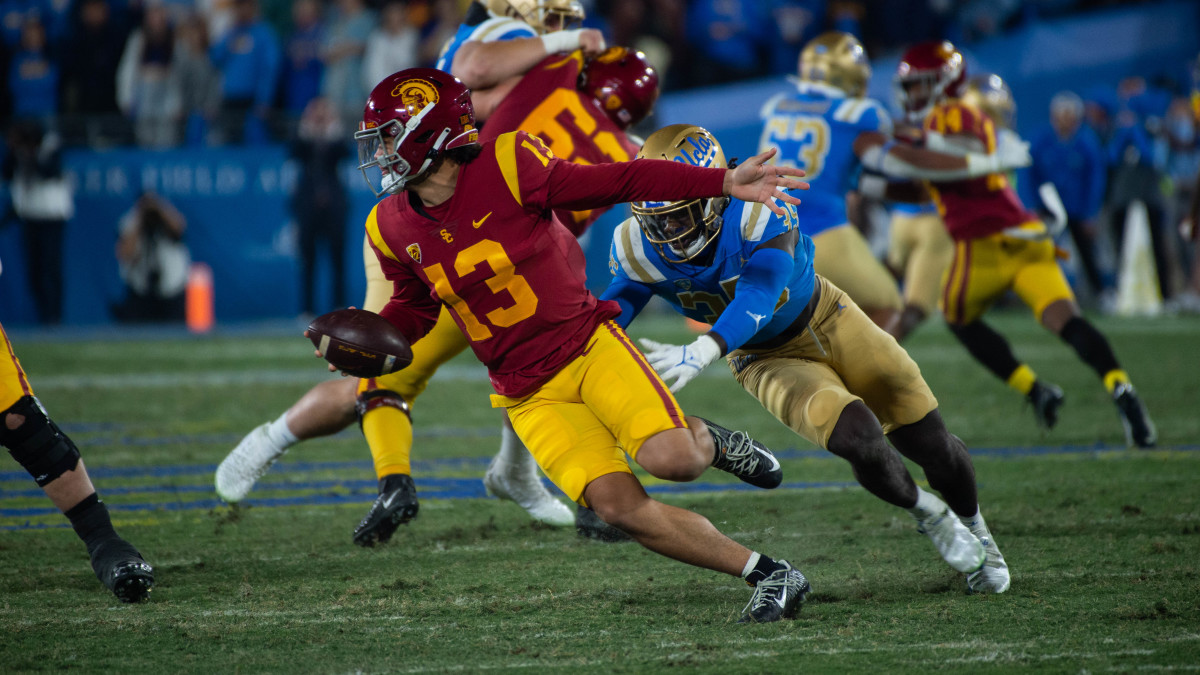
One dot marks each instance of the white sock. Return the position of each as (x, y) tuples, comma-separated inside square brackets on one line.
[(975, 523), (280, 435), (750, 564), (513, 452), (927, 505)]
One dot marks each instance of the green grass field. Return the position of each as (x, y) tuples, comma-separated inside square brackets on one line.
[(1103, 542)]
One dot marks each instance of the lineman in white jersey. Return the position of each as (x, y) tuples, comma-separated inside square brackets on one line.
[(500, 40)]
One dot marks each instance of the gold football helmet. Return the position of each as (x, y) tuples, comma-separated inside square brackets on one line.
[(682, 230), (838, 60), (546, 16), (990, 94)]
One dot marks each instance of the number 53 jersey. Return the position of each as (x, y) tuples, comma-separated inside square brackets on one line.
[(511, 276), (814, 129)]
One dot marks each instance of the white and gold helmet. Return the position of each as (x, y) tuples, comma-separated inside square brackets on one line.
[(838, 60), (546, 16), (990, 94), (682, 230)]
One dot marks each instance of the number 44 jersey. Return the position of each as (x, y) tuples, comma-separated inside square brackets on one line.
[(814, 129)]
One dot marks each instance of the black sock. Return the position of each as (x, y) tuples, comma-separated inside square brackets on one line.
[(762, 570), (1090, 344), (988, 347), (91, 522)]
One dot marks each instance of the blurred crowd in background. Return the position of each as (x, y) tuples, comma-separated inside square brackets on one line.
[(209, 73), (161, 73)]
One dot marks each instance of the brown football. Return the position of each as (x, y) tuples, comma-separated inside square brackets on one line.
[(360, 343)]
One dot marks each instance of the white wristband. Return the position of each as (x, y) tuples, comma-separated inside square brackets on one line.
[(981, 165), (561, 41)]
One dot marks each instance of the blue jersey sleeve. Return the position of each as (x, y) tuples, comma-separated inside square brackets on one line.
[(762, 282), (630, 295)]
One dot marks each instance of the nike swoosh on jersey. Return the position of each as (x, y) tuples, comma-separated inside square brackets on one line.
[(477, 223)]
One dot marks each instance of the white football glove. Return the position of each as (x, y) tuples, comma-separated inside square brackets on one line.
[(678, 364), (1011, 153)]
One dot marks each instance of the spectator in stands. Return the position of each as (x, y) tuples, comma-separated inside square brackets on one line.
[(196, 80), (1068, 154), (42, 203), (319, 203), (726, 40), (89, 70), (153, 261), (392, 46), (654, 28), (795, 22), (1136, 179), (437, 21), (33, 76), (1100, 110), (146, 90), (248, 58), (342, 52), (302, 67), (1183, 168)]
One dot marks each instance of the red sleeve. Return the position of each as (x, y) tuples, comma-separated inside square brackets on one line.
[(412, 308), (579, 186)]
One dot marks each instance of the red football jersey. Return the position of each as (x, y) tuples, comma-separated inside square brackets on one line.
[(511, 275), (974, 207), (546, 104)]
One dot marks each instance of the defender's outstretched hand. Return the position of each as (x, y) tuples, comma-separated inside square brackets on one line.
[(756, 181), (678, 364)]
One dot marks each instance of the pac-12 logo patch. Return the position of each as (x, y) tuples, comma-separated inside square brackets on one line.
[(415, 94), (414, 252)]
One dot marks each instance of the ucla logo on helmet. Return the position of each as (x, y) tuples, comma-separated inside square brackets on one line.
[(697, 151), (415, 94)]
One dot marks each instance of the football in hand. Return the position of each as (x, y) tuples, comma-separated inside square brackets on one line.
[(360, 343)]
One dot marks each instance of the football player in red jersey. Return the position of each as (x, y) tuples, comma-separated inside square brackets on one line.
[(49, 455), (1001, 246), (468, 227), (581, 110)]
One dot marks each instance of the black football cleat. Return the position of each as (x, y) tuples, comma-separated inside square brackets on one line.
[(121, 569), (1046, 399), (1139, 430), (589, 525), (779, 596), (744, 457), (395, 505)]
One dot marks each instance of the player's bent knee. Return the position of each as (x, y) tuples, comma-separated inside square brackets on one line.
[(858, 436), (380, 398), (37, 443), (675, 455)]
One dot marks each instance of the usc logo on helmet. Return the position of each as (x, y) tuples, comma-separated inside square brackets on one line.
[(415, 94)]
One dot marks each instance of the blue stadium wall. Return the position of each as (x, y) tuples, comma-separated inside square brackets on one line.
[(235, 199)]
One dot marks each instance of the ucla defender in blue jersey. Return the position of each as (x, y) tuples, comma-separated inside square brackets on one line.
[(795, 342), (815, 128), (500, 40)]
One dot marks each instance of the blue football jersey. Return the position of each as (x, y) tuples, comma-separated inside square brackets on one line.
[(814, 128), (489, 29), (702, 292)]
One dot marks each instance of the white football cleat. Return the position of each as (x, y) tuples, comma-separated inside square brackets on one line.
[(958, 547), (523, 486), (246, 464), (993, 577)]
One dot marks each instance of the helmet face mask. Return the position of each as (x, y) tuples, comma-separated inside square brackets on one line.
[(928, 74), (682, 230), (623, 83), (410, 119), (545, 16), (838, 60)]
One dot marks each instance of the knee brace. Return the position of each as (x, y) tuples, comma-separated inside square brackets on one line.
[(38, 444), (376, 398)]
